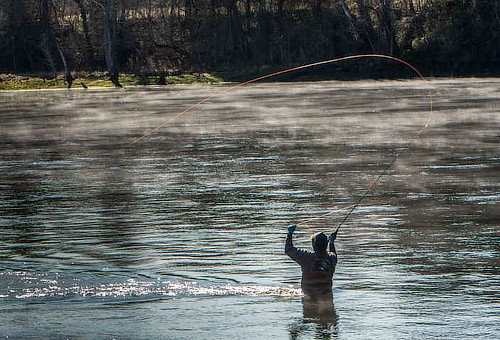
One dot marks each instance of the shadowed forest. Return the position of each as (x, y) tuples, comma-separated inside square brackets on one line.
[(162, 37)]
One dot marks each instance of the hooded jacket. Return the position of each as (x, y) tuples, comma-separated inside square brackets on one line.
[(317, 267)]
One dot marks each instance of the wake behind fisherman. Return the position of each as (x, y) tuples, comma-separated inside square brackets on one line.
[(317, 267)]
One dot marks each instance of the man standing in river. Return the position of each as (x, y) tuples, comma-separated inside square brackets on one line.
[(317, 267)]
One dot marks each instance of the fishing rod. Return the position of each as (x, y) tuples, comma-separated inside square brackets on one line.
[(370, 188), (150, 132)]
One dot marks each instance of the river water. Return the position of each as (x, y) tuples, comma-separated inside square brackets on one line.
[(181, 235)]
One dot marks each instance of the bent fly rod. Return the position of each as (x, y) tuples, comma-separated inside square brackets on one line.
[(351, 208)]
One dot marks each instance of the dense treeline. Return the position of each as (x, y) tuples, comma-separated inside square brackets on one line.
[(161, 36)]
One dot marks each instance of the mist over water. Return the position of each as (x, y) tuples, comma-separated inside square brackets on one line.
[(181, 236)]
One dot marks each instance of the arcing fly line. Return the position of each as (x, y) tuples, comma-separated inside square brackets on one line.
[(297, 68)]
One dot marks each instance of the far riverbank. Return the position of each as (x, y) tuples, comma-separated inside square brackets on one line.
[(39, 81)]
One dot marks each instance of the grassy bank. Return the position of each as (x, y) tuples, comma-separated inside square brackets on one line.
[(9, 81)]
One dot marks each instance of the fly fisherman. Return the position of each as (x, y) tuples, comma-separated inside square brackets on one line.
[(317, 267)]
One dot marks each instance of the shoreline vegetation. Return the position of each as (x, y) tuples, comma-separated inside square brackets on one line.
[(34, 81), (94, 80), (376, 69)]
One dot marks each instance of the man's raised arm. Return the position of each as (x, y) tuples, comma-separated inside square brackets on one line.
[(333, 236)]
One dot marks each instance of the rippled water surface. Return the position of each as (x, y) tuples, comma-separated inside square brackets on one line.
[(181, 236)]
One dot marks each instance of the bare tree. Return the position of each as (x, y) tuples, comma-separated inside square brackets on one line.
[(110, 29), (89, 49), (47, 39), (369, 31), (388, 19)]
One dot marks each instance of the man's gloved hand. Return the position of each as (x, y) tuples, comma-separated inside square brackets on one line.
[(291, 228), (333, 236)]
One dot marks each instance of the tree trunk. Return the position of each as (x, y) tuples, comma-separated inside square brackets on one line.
[(110, 40), (47, 38), (351, 20), (317, 8), (367, 24), (248, 14), (58, 41), (67, 74), (89, 49), (282, 43), (390, 31), (213, 11), (235, 28)]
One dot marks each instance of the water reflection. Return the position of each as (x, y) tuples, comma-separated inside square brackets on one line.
[(319, 319), (117, 211)]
